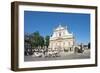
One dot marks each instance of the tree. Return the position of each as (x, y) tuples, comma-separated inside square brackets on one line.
[(27, 44), (89, 45), (41, 41), (27, 39), (47, 41), (35, 39)]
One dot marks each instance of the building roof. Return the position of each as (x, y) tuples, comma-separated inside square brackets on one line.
[(63, 30), (60, 27)]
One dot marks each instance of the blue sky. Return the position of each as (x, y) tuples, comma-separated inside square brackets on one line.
[(45, 22)]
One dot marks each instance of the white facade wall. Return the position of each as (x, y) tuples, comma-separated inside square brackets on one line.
[(61, 38)]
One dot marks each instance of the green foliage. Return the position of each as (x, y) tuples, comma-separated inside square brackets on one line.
[(47, 41), (36, 40), (41, 41), (89, 45)]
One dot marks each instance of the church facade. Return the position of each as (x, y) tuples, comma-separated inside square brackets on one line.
[(62, 40)]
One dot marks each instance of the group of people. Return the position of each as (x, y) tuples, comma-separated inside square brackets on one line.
[(44, 52), (48, 52)]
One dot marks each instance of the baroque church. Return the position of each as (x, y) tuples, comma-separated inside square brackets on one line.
[(61, 39)]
